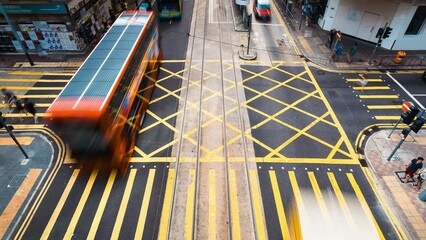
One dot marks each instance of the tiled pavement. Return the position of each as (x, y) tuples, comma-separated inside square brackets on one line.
[(402, 197)]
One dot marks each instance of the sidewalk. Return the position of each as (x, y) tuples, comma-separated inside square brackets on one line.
[(312, 41), (20, 178), (402, 197)]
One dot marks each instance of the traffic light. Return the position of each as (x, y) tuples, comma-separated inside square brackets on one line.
[(387, 32), (418, 124), (379, 32), (406, 131), (409, 116), (379, 43)]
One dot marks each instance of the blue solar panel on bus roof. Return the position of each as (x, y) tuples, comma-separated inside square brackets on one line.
[(98, 89), (106, 45), (125, 45), (134, 29), (113, 63), (84, 75), (107, 75), (93, 62), (100, 53), (119, 53), (116, 29), (74, 88), (112, 36)]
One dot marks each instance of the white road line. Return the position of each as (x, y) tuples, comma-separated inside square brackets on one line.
[(419, 95), (268, 24), (406, 91)]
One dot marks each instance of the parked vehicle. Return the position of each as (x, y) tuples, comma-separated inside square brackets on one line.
[(262, 9)]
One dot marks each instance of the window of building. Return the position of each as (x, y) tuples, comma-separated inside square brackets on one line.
[(417, 22)]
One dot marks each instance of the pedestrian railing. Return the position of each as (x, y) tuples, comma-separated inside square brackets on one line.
[(411, 60)]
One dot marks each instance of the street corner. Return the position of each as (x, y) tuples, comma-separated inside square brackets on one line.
[(22, 177)]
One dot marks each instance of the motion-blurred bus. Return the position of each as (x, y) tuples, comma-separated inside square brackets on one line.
[(170, 9), (100, 111)]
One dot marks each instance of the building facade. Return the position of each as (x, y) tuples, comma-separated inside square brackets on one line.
[(363, 18), (54, 25)]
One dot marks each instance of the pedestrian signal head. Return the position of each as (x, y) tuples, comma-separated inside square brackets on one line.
[(409, 116), (417, 124), (388, 31)]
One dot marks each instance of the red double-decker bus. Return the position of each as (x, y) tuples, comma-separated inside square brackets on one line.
[(100, 111)]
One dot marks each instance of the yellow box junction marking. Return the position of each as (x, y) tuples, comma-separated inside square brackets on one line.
[(235, 212), (167, 204), (123, 205), (80, 206), (18, 199), (257, 206), (190, 199), (145, 204), (212, 204), (364, 203), (102, 205), (60, 205), (279, 204), (21, 140)]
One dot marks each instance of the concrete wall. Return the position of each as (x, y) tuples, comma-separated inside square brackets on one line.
[(400, 23)]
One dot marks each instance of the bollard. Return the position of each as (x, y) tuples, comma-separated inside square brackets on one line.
[(399, 57)]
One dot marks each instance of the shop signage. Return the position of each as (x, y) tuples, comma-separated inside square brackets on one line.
[(35, 8)]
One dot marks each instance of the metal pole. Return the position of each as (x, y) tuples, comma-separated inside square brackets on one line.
[(16, 34), (13, 137), (397, 146), (394, 127), (249, 31), (377, 44)]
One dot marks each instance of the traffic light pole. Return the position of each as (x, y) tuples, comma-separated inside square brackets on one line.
[(13, 137), (377, 44), (399, 145), (394, 127)]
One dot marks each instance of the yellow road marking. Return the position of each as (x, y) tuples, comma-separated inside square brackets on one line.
[(36, 96), (18, 199), (279, 204), (165, 213), (384, 106), (379, 96), (145, 204), (235, 212), (80, 206), (257, 206), (332, 114), (364, 203), (21, 140), (367, 88), (22, 88), (394, 221), (123, 205), (395, 118), (335, 149), (35, 105), (242, 159), (367, 79), (60, 205), (212, 204), (23, 115), (41, 73), (102, 204), (190, 206), (320, 198), (14, 80), (297, 193), (341, 199)]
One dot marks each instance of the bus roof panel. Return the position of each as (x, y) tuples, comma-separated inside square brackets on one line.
[(99, 73)]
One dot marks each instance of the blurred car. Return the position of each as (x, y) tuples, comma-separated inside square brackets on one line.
[(262, 9)]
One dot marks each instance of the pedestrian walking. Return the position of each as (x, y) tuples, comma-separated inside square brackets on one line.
[(7, 95), (16, 107), (331, 37), (412, 168), (362, 81), (352, 52), (337, 52), (29, 107), (420, 179)]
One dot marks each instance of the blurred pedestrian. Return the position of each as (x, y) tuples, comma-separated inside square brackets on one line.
[(29, 107), (412, 168), (7, 96), (337, 52), (362, 81), (420, 179), (352, 52), (17, 107)]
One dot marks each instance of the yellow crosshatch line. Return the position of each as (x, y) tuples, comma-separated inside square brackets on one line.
[(345, 161)]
